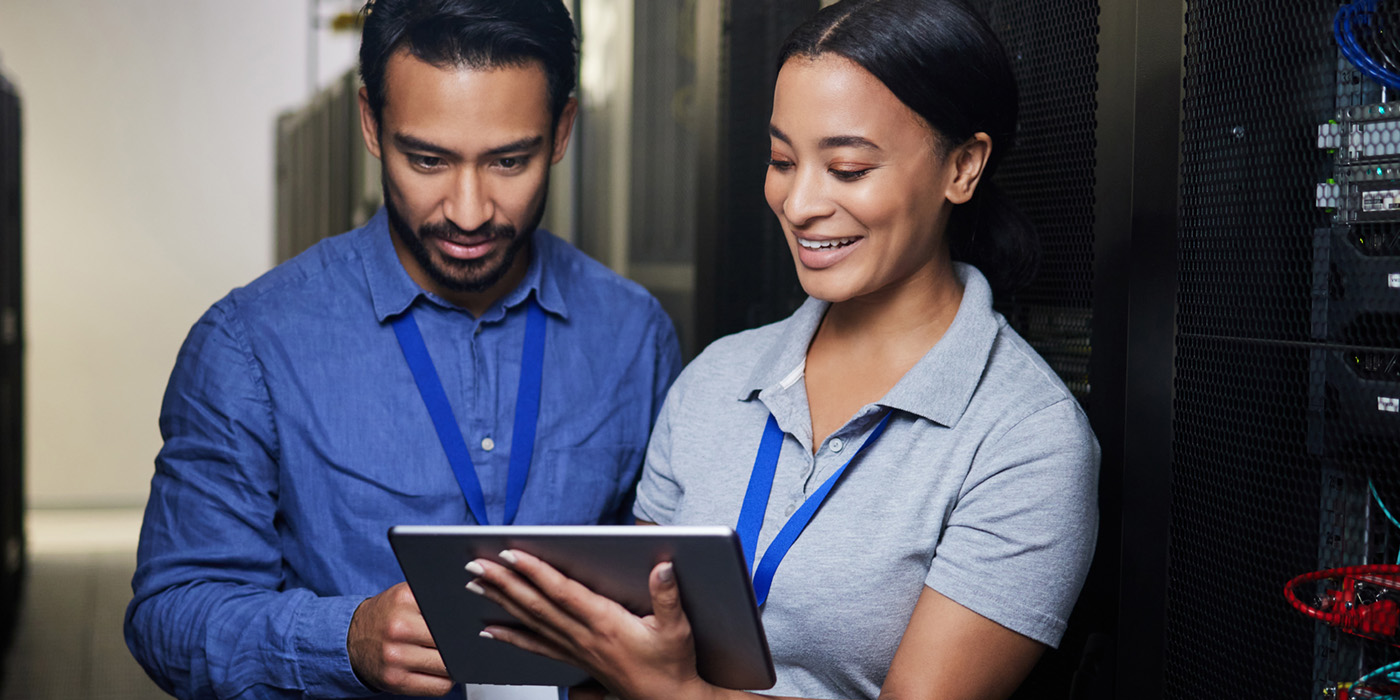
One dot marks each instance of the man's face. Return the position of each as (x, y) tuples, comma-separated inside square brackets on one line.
[(465, 154)]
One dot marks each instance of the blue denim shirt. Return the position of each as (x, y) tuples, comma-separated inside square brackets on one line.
[(295, 437)]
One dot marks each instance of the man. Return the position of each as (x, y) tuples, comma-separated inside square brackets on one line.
[(388, 375)]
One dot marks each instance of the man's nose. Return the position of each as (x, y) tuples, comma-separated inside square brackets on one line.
[(469, 206)]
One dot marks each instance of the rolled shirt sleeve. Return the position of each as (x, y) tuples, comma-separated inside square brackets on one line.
[(209, 617)]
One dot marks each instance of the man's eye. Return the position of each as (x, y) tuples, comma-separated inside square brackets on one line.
[(425, 162), (512, 163)]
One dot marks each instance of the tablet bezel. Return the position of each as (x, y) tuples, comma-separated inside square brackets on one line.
[(613, 560)]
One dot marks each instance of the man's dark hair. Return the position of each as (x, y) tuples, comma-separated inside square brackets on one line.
[(471, 34)]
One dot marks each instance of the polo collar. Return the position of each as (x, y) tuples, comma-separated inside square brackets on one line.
[(938, 387), (392, 291)]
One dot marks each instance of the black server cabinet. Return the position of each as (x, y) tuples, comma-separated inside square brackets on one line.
[(1276, 421), (11, 366)]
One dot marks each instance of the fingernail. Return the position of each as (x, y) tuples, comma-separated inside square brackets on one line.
[(476, 588), (486, 634), (509, 557), (667, 573), (475, 568)]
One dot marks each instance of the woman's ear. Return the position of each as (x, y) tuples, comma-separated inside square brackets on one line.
[(967, 161)]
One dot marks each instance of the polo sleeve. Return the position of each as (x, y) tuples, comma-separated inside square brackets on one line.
[(209, 617), (1020, 538), (658, 492)]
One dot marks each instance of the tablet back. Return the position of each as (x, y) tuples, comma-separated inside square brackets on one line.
[(614, 561)]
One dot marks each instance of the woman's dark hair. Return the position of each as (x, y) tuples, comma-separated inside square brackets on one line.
[(473, 34), (942, 60)]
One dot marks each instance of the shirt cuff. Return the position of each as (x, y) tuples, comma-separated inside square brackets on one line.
[(323, 661)]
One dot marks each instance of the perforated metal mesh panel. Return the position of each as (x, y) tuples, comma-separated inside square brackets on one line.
[(1286, 340), (1053, 47), (1050, 175)]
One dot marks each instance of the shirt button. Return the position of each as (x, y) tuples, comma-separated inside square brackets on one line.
[(792, 508), (836, 444), (488, 444)]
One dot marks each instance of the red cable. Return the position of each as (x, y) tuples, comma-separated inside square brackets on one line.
[(1381, 618)]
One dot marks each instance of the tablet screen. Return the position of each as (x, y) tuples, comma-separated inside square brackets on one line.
[(612, 560)]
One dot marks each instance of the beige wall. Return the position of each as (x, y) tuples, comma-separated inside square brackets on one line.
[(148, 176)]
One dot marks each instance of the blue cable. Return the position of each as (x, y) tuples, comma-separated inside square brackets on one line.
[(1358, 14), (1343, 29), (1371, 485), (1348, 17), (1386, 670)]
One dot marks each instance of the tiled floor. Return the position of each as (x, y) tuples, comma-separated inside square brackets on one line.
[(69, 643)]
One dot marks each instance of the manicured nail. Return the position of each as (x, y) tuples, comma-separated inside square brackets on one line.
[(509, 557), (486, 634), (474, 568), (667, 573), (476, 588)]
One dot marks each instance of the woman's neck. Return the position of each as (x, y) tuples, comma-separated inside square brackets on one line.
[(865, 345), (908, 317)]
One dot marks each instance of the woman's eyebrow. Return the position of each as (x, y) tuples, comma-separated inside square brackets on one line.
[(829, 141), (847, 142)]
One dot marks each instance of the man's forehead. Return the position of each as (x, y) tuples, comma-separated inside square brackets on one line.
[(480, 105)]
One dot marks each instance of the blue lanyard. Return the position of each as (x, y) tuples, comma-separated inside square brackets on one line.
[(527, 410), (765, 465)]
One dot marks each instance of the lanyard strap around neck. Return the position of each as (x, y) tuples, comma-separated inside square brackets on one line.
[(765, 466), (527, 410)]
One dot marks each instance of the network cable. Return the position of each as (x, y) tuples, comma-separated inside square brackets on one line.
[(1363, 14)]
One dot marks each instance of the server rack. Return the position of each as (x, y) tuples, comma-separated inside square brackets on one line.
[(327, 182), (12, 542)]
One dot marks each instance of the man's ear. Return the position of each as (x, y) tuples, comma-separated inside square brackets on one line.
[(369, 126), (968, 161), (563, 129)]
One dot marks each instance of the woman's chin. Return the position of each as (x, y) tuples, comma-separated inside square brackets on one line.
[(826, 286)]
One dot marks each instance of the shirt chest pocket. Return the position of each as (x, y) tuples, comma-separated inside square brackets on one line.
[(581, 485)]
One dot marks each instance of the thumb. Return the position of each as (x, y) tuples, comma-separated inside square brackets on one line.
[(666, 595)]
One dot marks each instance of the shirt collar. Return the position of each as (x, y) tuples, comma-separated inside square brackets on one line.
[(938, 387), (392, 291)]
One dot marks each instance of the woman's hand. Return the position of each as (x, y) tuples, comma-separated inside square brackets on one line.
[(638, 658)]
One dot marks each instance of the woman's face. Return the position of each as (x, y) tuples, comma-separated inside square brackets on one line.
[(857, 180)]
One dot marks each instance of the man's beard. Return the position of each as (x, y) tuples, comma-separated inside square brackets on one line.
[(456, 275)]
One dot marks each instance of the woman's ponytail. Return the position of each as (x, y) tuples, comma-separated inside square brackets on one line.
[(990, 233)]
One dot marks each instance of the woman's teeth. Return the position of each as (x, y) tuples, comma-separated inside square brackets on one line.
[(826, 244)]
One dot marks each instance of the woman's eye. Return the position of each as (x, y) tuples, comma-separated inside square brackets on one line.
[(850, 175), (779, 164)]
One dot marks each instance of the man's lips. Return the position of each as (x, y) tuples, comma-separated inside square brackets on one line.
[(465, 247)]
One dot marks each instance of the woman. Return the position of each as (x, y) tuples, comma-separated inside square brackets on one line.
[(949, 553)]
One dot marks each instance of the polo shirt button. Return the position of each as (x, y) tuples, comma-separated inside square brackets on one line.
[(836, 444), (488, 444), (792, 508)]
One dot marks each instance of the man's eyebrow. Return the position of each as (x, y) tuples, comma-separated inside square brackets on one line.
[(529, 143), (410, 143)]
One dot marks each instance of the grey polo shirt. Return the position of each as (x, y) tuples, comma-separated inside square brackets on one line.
[(983, 487)]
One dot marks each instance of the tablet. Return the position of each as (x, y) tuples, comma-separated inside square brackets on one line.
[(613, 560)]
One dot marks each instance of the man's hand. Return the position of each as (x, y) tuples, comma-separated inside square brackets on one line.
[(391, 649)]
